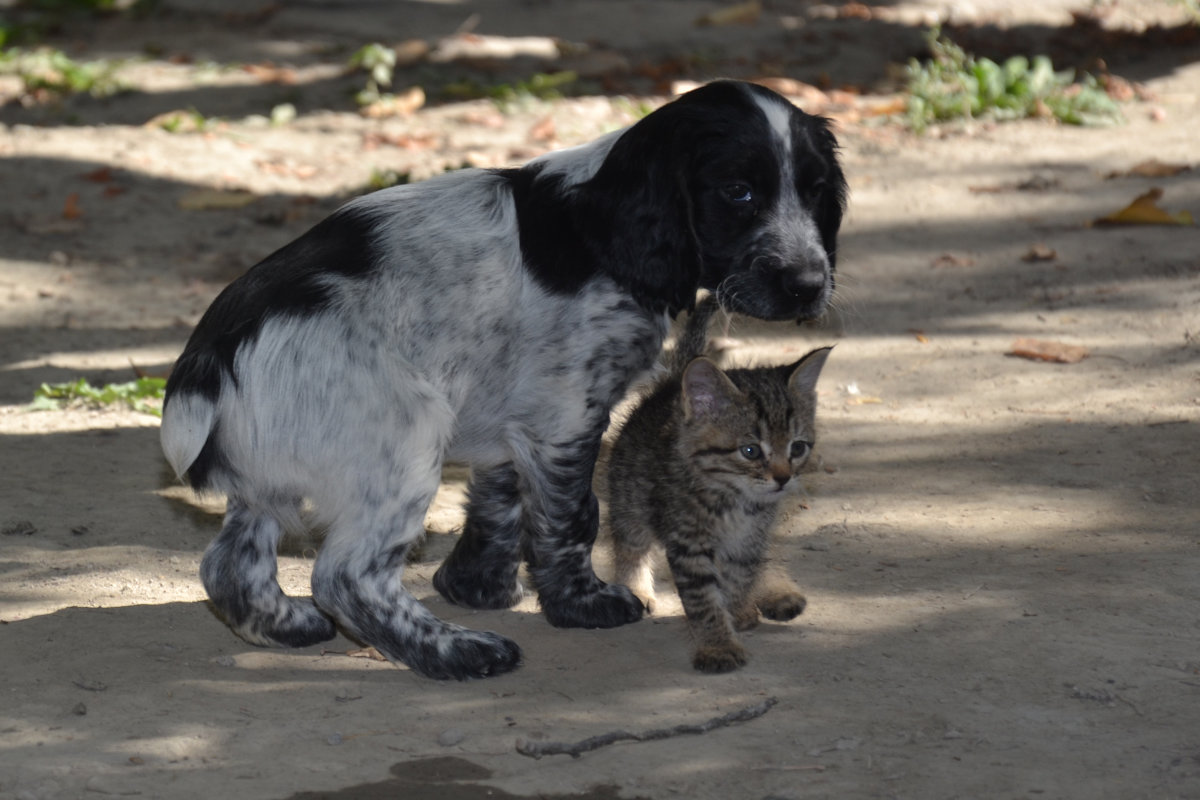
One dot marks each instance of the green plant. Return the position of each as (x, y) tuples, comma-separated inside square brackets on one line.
[(954, 84), (540, 86), (379, 62), (45, 70), (383, 178), (143, 394)]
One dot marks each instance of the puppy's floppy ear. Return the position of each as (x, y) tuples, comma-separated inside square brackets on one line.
[(831, 202), (637, 214)]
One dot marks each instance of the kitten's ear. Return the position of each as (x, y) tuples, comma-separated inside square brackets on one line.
[(707, 391), (806, 371)]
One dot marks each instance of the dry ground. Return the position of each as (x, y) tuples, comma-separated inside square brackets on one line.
[(1001, 555)]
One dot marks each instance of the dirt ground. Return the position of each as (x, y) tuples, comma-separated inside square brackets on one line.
[(1000, 554)]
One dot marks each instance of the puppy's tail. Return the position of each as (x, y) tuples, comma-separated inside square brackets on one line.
[(189, 417), (693, 339)]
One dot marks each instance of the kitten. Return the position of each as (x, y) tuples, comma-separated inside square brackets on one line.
[(702, 465)]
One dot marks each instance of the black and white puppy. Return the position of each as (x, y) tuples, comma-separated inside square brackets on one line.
[(492, 317)]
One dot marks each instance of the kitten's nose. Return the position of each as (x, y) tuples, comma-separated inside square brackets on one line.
[(782, 479)]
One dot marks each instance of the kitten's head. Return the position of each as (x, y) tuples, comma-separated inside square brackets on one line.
[(750, 431)]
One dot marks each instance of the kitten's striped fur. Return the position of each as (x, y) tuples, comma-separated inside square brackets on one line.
[(701, 466)]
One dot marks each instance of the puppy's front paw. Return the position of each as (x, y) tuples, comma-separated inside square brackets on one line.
[(782, 607), (724, 657), (607, 606), (482, 590)]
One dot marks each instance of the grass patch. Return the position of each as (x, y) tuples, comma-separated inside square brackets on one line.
[(46, 72), (539, 86), (954, 84), (143, 394)]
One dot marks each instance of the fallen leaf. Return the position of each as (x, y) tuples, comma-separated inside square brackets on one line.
[(395, 105), (287, 169), (71, 209), (739, 14), (215, 199), (855, 11), (1153, 168), (101, 175), (951, 260), (543, 130), (1043, 350), (269, 73), (806, 93), (919, 335), (1144, 210), (367, 652), (1040, 252)]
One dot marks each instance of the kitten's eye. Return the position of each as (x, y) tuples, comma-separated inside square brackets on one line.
[(751, 452), (738, 193), (799, 450)]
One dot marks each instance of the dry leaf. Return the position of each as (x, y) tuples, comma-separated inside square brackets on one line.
[(1043, 350), (395, 105), (951, 260), (367, 652), (215, 199), (805, 93), (269, 73), (740, 14), (71, 209), (1040, 252), (1145, 211), (543, 130), (1152, 168), (100, 175), (919, 335)]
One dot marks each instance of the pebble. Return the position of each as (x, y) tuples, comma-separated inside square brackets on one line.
[(450, 737)]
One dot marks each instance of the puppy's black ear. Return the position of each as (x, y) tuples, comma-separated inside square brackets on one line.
[(831, 202), (637, 214)]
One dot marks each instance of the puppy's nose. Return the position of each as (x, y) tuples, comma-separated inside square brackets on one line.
[(802, 283)]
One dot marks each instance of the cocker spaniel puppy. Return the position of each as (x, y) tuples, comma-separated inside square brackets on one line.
[(492, 317)]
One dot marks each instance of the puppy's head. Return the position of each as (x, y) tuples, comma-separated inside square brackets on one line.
[(732, 188)]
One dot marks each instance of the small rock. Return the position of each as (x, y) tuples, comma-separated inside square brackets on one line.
[(20, 528), (79, 710), (450, 737)]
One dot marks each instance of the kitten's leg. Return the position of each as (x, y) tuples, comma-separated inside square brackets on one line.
[(563, 518), (631, 558), (704, 602), (481, 572), (238, 572), (777, 596)]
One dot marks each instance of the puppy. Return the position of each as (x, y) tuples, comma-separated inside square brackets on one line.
[(491, 317)]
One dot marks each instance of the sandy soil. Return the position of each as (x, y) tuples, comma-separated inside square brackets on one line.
[(1000, 554)]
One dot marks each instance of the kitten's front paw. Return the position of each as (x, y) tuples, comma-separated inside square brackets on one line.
[(608, 606), (719, 658), (782, 607)]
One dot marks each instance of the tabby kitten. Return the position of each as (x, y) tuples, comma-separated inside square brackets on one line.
[(702, 465)]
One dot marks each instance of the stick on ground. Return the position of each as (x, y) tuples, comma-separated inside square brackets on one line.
[(539, 749)]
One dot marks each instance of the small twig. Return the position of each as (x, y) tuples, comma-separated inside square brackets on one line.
[(539, 749)]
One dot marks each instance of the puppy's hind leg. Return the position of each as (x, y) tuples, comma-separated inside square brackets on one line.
[(481, 572), (379, 514), (238, 571)]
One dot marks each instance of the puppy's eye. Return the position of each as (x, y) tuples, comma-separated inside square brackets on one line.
[(750, 452), (799, 449), (739, 193)]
